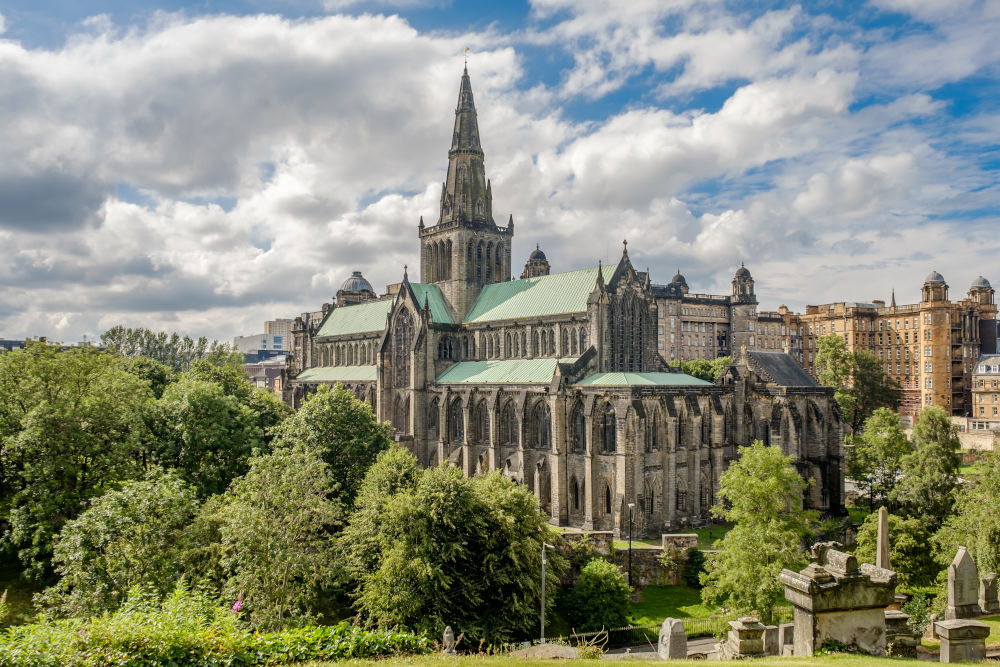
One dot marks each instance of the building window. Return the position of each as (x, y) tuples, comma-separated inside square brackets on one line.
[(609, 429), (607, 498), (927, 350), (929, 383)]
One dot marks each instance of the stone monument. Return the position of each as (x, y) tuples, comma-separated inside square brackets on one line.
[(745, 640), (786, 639), (882, 555), (771, 646), (963, 587), (989, 601), (673, 644), (962, 640), (900, 639), (449, 640), (834, 598)]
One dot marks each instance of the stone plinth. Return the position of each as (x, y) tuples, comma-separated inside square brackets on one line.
[(771, 646), (899, 637), (679, 540), (962, 640), (786, 639), (835, 598), (988, 598), (673, 640), (745, 639), (963, 587)]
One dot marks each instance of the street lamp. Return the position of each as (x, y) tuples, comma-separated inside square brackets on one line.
[(544, 544), (631, 514)]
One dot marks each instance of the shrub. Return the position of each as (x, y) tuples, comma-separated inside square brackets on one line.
[(188, 627), (693, 567), (600, 598), (918, 609)]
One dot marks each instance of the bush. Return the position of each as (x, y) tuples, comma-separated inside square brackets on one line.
[(188, 627), (600, 598), (918, 610), (693, 567)]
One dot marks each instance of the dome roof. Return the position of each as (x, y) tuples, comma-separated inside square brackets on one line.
[(934, 277), (980, 282), (357, 283), (678, 278), (742, 272), (537, 253)]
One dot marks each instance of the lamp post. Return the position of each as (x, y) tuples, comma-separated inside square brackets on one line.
[(631, 513), (543, 589)]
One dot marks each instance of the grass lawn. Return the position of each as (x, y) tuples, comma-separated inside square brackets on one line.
[(660, 602), (442, 660), (708, 536), (622, 545)]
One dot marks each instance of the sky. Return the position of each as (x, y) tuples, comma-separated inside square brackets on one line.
[(202, 167)]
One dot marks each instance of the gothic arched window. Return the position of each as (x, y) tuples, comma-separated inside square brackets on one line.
[(456, 426), (402, 339), (579, 424), (432, 420), (541, 425), (482, 424), (574, 493), (489, 264), (610, 429), (508, 424), (607, 498)]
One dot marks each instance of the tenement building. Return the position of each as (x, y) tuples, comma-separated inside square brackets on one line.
[(985, 413), (556, 379)]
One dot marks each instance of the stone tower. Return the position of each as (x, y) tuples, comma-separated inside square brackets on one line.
[(935, 288), (744, 313), (465, 249)]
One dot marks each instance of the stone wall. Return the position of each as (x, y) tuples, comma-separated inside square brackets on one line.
[(646, 567)]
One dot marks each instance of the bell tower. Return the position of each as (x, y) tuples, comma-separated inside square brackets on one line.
[(465, 249)]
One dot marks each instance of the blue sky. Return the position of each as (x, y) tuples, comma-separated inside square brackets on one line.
[(205, 166)]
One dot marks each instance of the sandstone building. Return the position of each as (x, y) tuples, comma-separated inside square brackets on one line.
[(557, 379), (985, 394)]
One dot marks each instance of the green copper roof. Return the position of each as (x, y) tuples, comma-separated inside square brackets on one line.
[(435, 299), (361, 318), (534, 297), (640, 379), (503, 371), (337, 374)]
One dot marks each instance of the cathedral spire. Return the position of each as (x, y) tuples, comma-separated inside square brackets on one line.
[(467, 197)]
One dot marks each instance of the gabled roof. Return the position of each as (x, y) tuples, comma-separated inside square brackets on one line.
[(502, 371), (781, 369), (642, 379), (556, 294), (360, 318), (435, 299), (337, 374)]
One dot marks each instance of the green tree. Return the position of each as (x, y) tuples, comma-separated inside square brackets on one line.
[(461, 552), (158, 375), (761, 494), (875, 459), (860, 385), (344, 432), (910, 551), (71, 423), (976, 521), (929, 474), (175, 351), (705, 369), (599, 599), (276, 536), (205, 433), (128, 537), (230, 376)]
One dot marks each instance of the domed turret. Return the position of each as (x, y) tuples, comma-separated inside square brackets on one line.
[(355, 290), (537, 265), (743, 286), (743, 273), (679, 282), (537, 254), (935, 288), (934, 277), (981, 291), (981, 282)]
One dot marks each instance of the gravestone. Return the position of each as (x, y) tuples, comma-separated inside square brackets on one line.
[(989, 601), (962, 640), (835, 598), (786, 639), (882, 555), (448, 640), (963, 587), (673, 644), (745, 640), (900, 639), (771, 646)]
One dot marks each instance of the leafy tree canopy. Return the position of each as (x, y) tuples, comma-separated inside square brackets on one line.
[(705, 369), (910, 552), (175, 351), (976, 521), (761, 493), (860, 385), (926, 490), (875, 458), (600, 598)]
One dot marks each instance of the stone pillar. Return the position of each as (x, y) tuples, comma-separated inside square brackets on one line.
[(468, 464), (559, 446), (786, 639), (670, 479), (771, 646), (962, 640), (963, 587), (588, 475), (882, 557)]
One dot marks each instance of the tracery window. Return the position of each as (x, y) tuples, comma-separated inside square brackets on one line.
[(482, 424), (579, 436), (609, 429), (456, 426), (607, 498), (508, 424), (402, 340), (541, 426), (432, 420)]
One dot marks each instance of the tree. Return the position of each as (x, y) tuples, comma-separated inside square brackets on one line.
[(158, 375), (206, 434), (344, 432), (71, 423), (171, 349), (875, 460), (927, 488), (128, 537), (761, 493), (458, 551), (976, 521), (860, 385), (599, 599), (276, 540), (710, 370), (910, 550)]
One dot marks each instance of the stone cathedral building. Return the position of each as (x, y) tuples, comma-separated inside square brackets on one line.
[(554, 379)]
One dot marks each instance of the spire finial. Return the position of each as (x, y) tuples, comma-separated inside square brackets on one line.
[(536, 247), (625, 248), (467, 59), (405, 277)]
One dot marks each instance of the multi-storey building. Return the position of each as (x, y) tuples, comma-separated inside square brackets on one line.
[(555, 379), (985, 413)]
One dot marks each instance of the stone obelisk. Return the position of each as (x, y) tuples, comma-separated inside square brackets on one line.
[(882, 555)]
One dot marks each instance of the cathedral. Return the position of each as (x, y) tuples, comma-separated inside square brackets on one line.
[(555, 379)]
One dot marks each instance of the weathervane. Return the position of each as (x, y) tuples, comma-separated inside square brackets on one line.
[(467, 56)]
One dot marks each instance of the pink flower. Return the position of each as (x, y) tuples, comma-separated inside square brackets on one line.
[(237, 606)]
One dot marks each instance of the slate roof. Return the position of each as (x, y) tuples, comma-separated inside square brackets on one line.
[(502, 371), (781, 369), (556, 294), (338, 374), (435, 299), (642, 379), (356, 319)]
